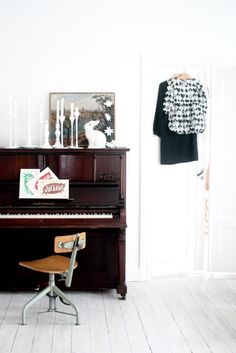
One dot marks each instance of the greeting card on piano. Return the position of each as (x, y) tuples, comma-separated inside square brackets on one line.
[(45, 175), (27, 175), (45, 184), (53, 189)]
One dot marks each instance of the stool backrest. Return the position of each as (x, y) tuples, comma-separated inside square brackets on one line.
[(70, 243)]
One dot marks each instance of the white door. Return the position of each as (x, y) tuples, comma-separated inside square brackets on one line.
[(169, 194), (222, 205)]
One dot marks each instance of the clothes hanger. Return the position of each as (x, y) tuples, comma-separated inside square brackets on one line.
[(182, 76)]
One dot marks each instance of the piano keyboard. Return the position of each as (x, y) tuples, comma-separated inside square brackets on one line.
[(56, 215)]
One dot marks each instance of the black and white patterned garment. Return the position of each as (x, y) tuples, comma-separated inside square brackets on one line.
[(186, 105)]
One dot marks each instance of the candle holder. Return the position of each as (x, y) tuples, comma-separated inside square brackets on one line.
[(41, 123), (72, 118), (11, 132), (14, 133), (77, 114), (57, 144), (13, 125), (29, 144), (11, 120), (62, 119), (41, 133), (46, 143)]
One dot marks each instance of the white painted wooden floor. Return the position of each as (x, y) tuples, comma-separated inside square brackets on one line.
[(169, 315)]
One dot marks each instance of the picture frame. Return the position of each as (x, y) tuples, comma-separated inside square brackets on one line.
[(91, 106)]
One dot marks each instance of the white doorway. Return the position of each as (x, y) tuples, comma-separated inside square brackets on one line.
[(172, 197)]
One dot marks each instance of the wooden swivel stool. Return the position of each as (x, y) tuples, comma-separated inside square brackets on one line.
[(57, 264)]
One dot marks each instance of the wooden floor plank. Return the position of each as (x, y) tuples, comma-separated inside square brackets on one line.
[(115, 324), (99, 335), (137, 337), (187, 327), (206, 325), (209, 300)]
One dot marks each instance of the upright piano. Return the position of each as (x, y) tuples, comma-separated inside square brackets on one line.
[(96, 204)]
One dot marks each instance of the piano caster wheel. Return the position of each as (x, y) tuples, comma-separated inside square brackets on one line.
[(123, 296)]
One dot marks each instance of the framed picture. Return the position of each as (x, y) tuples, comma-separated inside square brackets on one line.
[(84, 107)]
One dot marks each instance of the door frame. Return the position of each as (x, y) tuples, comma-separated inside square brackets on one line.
[(182, 62)]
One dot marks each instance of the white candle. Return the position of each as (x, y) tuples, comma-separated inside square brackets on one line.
[(62, 107), (72, 109), (77, 111), (58, 103), (41, 122), (29, 112), (11, 116), (11, 104), (29, 121), (41, 112), (15, 122), (15, 109), (76, 126)]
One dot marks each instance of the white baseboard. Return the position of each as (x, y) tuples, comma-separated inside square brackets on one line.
[(136, 274)]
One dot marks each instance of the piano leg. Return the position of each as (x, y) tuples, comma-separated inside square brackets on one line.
[(121, 287)]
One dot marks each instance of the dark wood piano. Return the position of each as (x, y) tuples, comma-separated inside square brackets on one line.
[(96, 204)]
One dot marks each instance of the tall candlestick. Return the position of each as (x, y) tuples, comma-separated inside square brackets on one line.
[(72, 109), (76, 126), (41, 122), (62, 106), (72, 118), (15, 122), (46, 143), (62, 118), (11, 119), (58, 113), (29, 121), (57, 143)]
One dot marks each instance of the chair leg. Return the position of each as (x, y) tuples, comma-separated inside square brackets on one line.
[(51, 289), (57, 291), (32, 301)]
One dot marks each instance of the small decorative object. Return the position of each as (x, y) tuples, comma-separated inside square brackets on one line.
[(86, 107), (96, 139)]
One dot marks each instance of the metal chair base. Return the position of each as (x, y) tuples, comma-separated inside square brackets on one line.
[(52, 291)]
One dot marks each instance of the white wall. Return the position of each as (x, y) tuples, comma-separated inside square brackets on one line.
[(91, 45)]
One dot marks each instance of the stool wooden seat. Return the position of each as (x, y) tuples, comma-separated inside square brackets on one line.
[(57, 265)]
